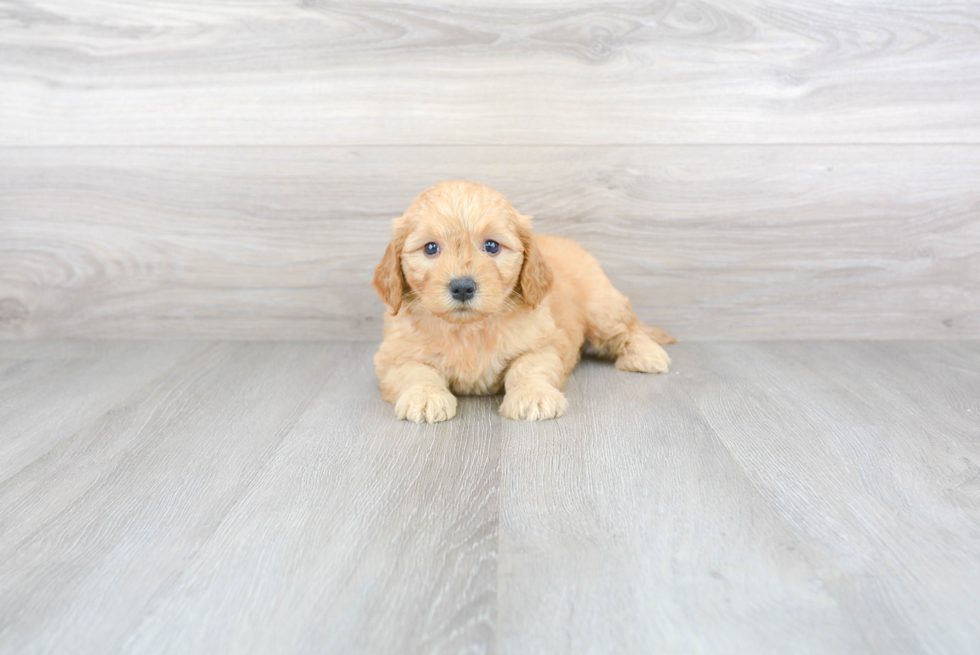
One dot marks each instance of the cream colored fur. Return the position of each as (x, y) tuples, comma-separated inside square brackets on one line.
[(538, 302)]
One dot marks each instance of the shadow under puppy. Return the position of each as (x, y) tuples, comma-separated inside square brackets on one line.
[(479, 304)]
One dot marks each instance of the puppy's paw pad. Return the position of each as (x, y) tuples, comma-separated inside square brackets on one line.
[(644, 357), (426, 405), (533, 403)]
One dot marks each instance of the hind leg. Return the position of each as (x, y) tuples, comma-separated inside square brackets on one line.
[(642, 354), (614, 332)]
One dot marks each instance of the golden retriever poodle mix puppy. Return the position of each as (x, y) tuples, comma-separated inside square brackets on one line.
[(478, 304)]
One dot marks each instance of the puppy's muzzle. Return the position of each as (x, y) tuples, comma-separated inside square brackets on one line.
[(462, 288)]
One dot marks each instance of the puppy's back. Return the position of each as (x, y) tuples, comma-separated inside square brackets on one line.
[(574, 268), (582, 293)]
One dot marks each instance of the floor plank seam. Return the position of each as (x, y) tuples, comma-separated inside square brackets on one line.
[(780, 497), (103, 475), (135, 392), (267, 457), (801, 546)]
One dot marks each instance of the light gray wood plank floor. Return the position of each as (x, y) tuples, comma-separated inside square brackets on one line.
[(216, 497)]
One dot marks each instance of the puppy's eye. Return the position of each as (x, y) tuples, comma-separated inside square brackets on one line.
[(491, 247), (431, 248)]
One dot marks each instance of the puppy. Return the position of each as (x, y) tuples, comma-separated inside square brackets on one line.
[(478, 304)]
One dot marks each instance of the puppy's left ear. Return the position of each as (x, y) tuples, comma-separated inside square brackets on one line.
[(388, 280), (536, 275)]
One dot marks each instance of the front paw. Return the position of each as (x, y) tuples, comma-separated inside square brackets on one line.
[(535, 403), (426, 405)]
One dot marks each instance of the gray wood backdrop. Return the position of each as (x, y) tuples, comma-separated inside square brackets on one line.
[(747, 169)]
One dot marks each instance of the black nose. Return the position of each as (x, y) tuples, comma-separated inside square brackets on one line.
[(462, 288)]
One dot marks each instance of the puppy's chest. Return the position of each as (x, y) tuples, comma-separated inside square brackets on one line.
[(474, 366)]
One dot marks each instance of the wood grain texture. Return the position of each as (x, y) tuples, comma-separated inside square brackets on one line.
[(386, 541), (872, 454), (51, 393), (147, 530), (106, 72), (135, 520), (256, 497), (711, 242), (626, 527)]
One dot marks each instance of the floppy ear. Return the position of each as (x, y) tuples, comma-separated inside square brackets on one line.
[(536, 276), (388, 280)]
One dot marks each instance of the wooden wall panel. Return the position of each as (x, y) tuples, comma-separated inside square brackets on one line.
[(744, 169), (270, 72), (711, 242)]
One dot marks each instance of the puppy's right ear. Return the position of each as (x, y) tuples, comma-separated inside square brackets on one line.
[(388, 280)]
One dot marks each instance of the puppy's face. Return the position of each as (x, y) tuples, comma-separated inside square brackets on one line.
[(462, 266), (461, 251)]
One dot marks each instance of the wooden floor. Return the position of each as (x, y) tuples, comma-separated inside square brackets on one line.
[(175, 497)]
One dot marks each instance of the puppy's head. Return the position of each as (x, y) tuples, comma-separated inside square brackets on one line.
[(462, 253)]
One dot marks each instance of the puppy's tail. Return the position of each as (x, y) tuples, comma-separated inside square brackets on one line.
[(658, 335)]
